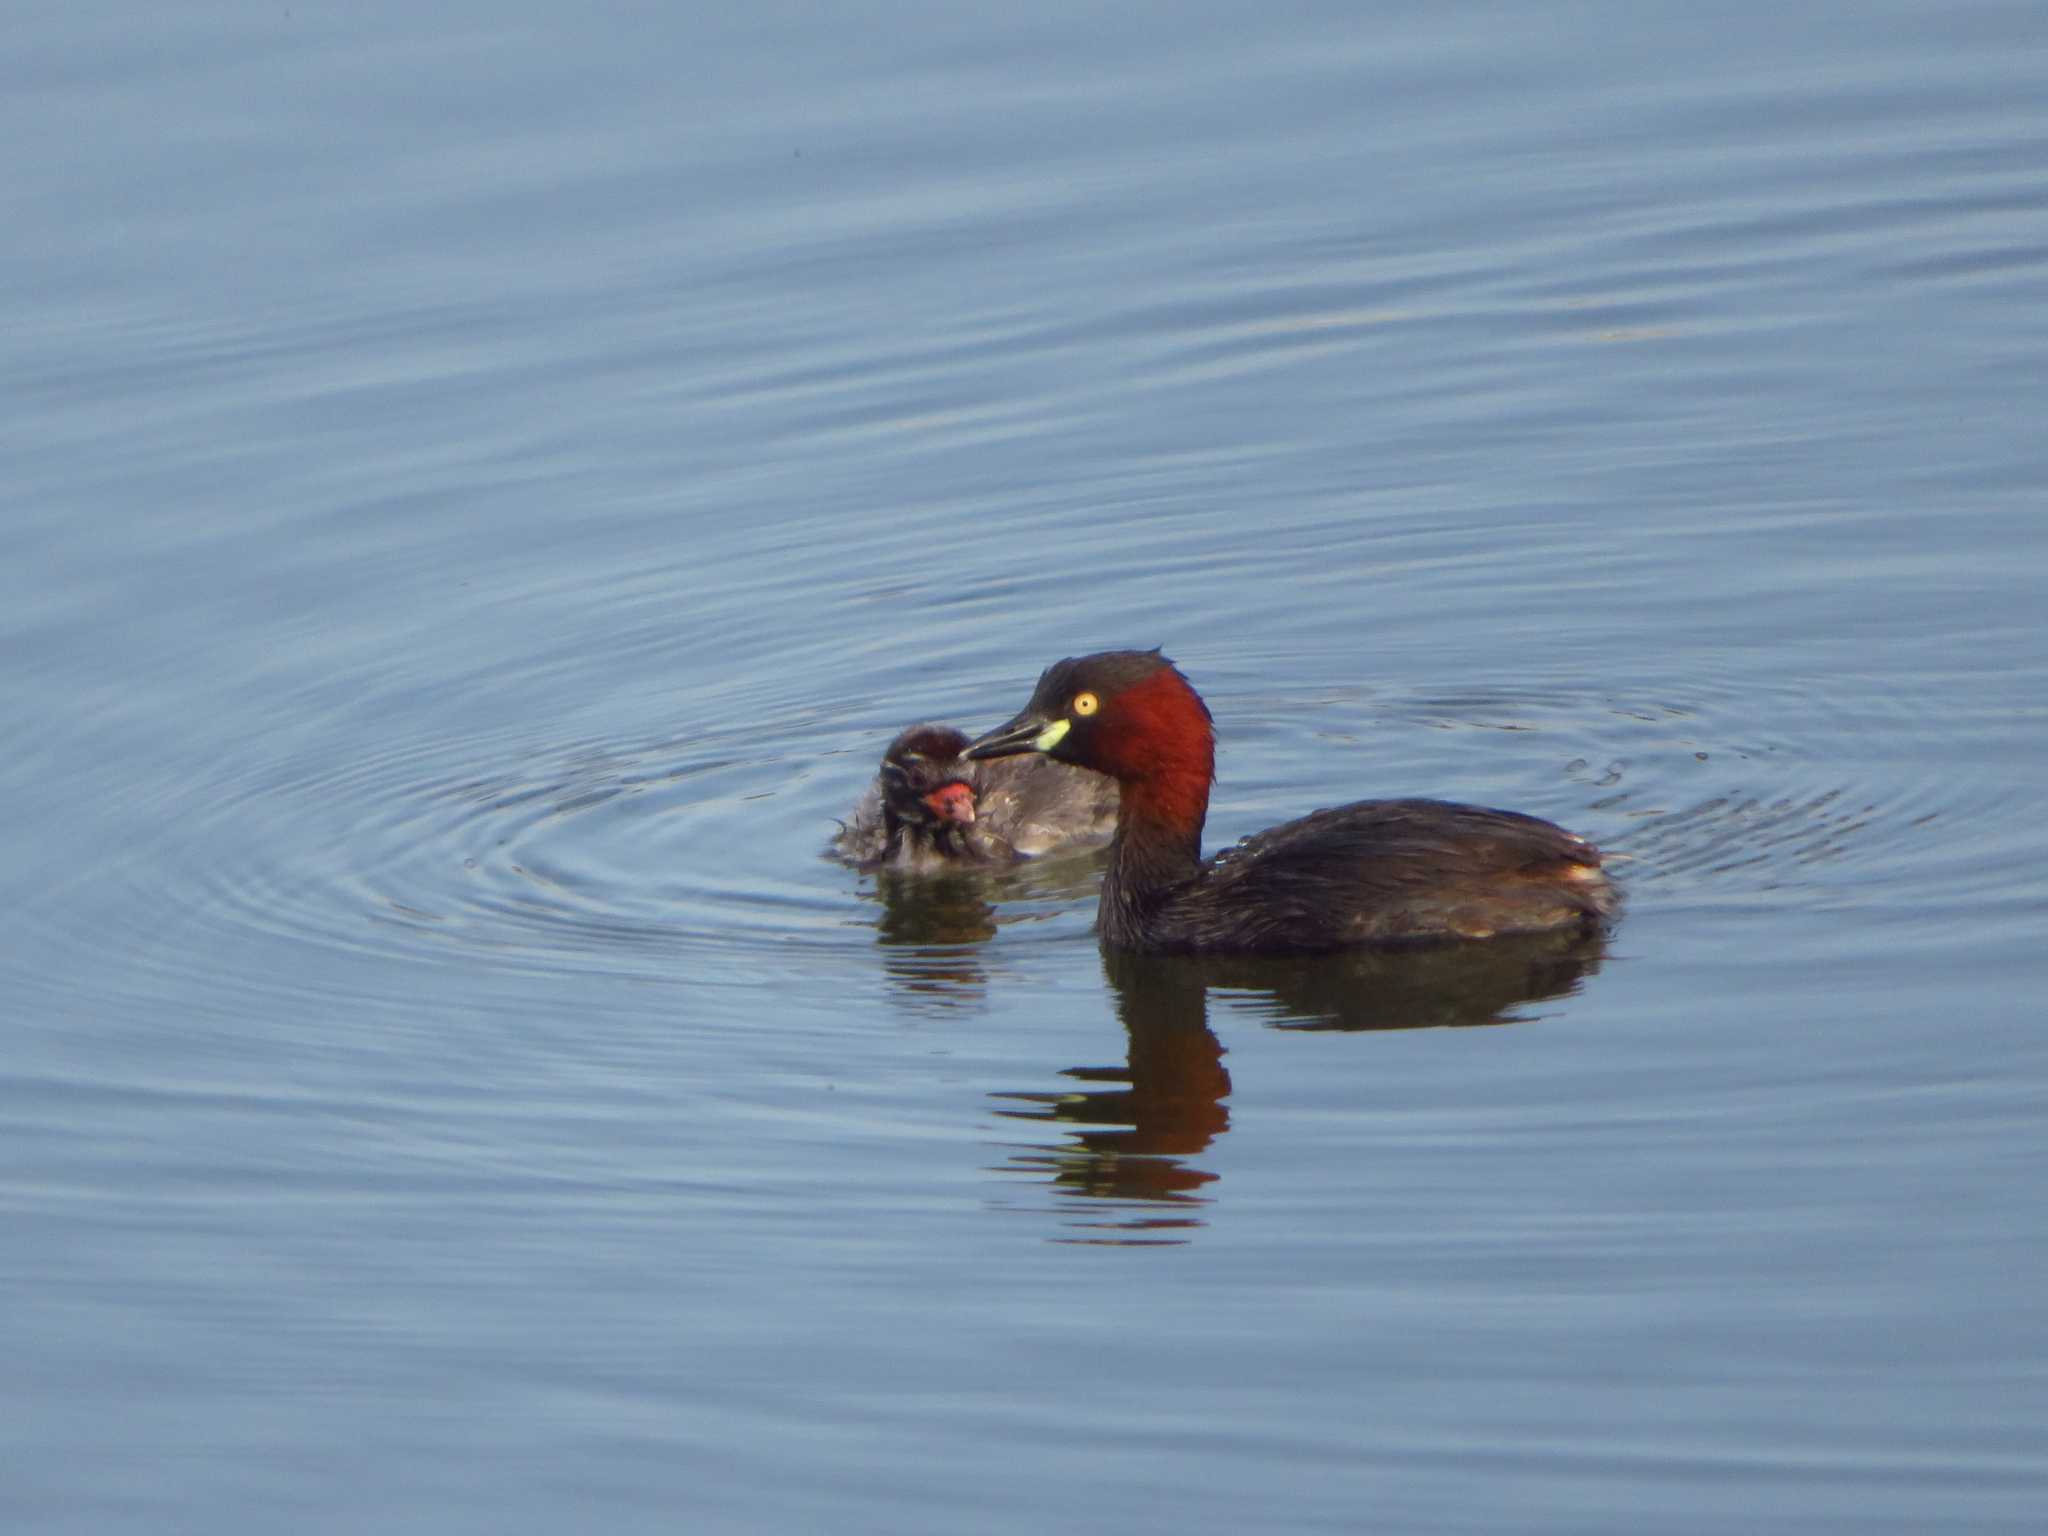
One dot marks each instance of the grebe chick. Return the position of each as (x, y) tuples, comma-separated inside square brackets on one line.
[(1375, 872), (929, 809)]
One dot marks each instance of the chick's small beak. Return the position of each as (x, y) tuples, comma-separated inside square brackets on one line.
[(952, 802), (1029, 732)]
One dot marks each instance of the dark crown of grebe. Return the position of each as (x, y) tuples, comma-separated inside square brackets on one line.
[(1373, 872)]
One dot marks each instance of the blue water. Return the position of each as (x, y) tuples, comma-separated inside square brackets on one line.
[(480, 484)]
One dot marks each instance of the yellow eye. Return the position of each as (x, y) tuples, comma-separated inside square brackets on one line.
[(1086, 704)]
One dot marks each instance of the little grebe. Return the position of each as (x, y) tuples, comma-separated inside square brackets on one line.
[(929, 809), (1376, 872)]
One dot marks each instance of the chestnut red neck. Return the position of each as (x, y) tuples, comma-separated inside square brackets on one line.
[(1159, 745), (1157, 741)]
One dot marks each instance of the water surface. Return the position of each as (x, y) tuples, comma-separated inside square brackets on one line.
[(483, 485)]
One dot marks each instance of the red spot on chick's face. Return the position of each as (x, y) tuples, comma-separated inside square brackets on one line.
[(952, 802)]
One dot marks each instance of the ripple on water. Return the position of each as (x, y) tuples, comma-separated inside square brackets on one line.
[(1839, 799), (618, 856), (692, 857)]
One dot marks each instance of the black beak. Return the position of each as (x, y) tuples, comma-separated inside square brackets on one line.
[(1019, 735)]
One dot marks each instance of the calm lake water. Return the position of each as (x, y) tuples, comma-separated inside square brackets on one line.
[(482, 483)]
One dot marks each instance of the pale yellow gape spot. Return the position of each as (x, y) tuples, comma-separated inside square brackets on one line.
[(1084, 704)]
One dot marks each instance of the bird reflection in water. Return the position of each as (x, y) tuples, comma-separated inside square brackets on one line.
[(932, 926), (1125, 1164), (930, 932), (1125, 1161)]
